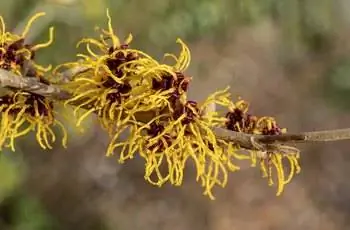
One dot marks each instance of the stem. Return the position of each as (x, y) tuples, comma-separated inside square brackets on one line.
[(248, 141), (31, 84)]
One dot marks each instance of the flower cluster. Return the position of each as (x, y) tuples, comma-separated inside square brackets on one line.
[(239, 120), (129, 91), (21, 111), (14, 53)]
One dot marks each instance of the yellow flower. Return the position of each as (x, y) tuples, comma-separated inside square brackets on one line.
[(239, 120), (130, 91), (122, 83), (115, 85), (23, 112), (171, 140), (275, 159), (14, 52)]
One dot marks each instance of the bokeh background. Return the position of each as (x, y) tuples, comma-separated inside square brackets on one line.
[(289, 58)]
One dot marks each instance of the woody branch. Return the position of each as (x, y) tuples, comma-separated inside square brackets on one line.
[(10, 80)]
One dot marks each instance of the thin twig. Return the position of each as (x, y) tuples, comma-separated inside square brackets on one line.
[(31, 84), (247, 141), (334, 135), (68, 74)]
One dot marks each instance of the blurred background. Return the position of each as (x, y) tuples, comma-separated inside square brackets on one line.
[(289, 58)]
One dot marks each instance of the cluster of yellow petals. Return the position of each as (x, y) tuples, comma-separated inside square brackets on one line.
[(23, 112), (167, 143), (21, 116), (268, 160), (164, 128), (8, 38)]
